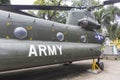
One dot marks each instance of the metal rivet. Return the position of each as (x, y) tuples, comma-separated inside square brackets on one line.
[(53, 30), (31, 38), (65, 33), (8, 24), (7, 37), (29, 28)]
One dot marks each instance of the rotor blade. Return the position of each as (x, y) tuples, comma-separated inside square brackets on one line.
[(34, 7), (21, 12), (45, 7), (111, 2), (104, 3)]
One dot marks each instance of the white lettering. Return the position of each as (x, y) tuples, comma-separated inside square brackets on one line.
[(60, 49), (32, 51), (51, 50), (45, 50), (42, 49)]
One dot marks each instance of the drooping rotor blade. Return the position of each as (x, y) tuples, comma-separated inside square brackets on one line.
[(47, 7), (21, 12), (110, 2), (34, 7)]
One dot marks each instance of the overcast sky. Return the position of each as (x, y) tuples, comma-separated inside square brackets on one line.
[(28, 2)]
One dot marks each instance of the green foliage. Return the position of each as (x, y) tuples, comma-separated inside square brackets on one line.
[(106, 16), (94, 2), (51, 14), (31, 12), (4, 1), (82, 2), (113, 31), (76, 3), (103, 15)]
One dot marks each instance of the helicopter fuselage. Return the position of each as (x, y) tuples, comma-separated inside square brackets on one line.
[(30, 42), (44, 30)]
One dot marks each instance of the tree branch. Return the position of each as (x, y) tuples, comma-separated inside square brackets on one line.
[(54, 12)]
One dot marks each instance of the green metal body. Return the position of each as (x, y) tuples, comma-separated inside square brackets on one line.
[(41, 47), (15, 54)]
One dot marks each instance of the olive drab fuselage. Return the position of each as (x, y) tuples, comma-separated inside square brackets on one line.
[(28, 42)]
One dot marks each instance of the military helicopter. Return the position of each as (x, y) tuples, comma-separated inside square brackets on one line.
[(28, 42)]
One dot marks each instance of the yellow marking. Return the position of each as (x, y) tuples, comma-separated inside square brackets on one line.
[(7, 37), (31, 38), (29, 28), (8, 24), (65, 33), (53, 30)]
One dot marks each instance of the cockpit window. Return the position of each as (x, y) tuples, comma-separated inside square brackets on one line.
[(90, 15)]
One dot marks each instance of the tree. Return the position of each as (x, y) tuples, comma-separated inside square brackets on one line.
[(87, 3), (4, 1), (53, 15), (106, 17)]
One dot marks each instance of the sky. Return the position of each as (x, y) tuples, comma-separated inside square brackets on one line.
[(28, 2), (23, 2)]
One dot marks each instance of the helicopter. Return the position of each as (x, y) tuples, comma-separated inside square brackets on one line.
[(28, 42)]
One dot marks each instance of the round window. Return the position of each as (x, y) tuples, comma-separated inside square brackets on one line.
[(20, 33), (83, 38), (60, 36)]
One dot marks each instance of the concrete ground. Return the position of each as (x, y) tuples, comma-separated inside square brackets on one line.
[(75, 71)]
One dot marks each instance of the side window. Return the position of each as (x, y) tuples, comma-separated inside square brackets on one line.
[(60, 36), (20, 33)]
